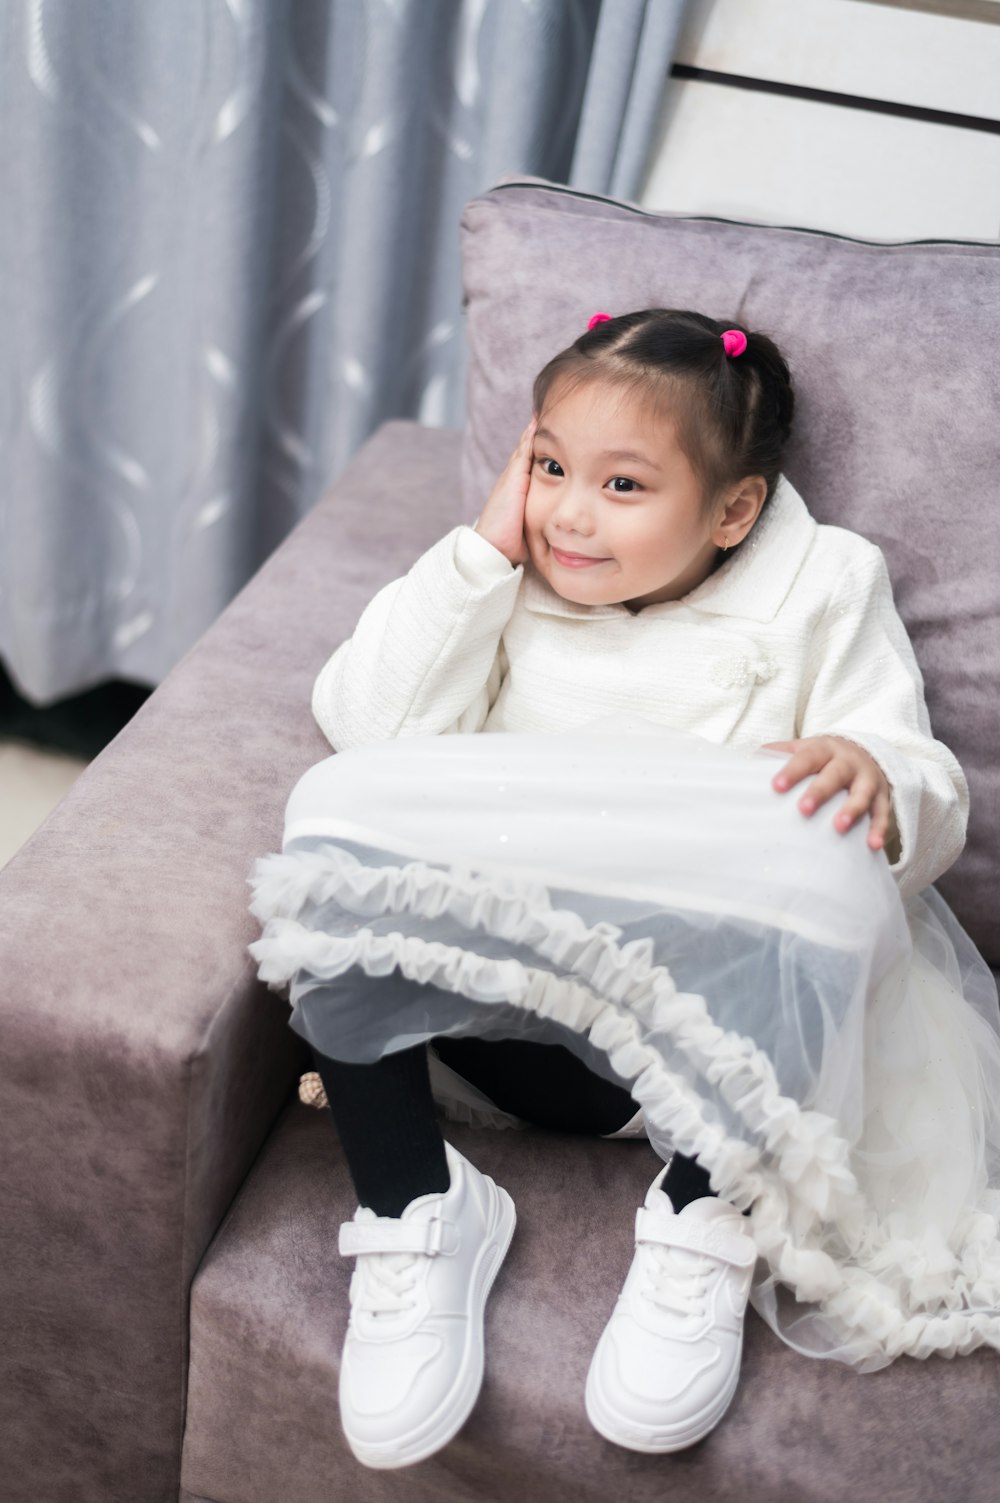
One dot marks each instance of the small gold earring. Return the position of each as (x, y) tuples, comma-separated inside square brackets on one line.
[(724, 544)]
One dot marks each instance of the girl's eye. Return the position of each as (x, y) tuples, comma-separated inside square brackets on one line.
[(550, 466), (622, 485)]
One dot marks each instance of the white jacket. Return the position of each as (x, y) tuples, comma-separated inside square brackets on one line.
[(795, 635)]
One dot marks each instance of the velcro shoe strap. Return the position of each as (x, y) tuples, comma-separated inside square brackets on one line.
[(391, 1236), (695, 1236)]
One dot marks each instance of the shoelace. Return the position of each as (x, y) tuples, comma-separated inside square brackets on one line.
[(386, 1282), (677, 1286)]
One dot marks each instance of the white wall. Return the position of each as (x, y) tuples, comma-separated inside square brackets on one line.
[(750, 155)]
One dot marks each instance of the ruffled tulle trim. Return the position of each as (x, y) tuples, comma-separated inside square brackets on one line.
[(881, 1295)]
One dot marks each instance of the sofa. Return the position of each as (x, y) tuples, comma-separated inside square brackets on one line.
[(173, 1302)]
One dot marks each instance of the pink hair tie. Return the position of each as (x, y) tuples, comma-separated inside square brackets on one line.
[(599, 318), (734, 341)]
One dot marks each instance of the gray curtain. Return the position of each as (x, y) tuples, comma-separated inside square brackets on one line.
[(229, 250)]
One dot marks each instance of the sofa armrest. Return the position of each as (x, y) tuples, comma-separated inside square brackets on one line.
[(142, 1063)]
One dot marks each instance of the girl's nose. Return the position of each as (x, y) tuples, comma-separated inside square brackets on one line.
[(573, 512)]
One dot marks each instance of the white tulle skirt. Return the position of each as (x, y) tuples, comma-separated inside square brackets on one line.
[(829, 1054)]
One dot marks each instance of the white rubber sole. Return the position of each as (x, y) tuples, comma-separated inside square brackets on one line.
[(655, 1440), (444, 1424)]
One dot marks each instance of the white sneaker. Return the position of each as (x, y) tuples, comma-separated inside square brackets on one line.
[(413, 1355), (668, 1362)]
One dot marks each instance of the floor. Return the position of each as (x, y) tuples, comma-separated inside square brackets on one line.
[(43, 751)]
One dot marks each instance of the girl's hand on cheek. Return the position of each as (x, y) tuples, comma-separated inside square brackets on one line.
[(501, 521), (836, 763)]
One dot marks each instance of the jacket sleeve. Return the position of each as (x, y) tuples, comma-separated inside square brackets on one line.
[(425, 658), (864, 683)]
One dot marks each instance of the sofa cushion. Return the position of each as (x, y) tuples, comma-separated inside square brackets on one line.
[(269, 1309), (893, 355)]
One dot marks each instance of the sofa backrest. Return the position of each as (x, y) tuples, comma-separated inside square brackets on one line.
[(894, 356)]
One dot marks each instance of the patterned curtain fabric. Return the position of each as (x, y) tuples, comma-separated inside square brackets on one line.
[(229, 250)]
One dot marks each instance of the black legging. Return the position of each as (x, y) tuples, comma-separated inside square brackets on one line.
[(385, 1113)]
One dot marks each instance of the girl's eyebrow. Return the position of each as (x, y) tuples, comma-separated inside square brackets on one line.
[(630, 455)]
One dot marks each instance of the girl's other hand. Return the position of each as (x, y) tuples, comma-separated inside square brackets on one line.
[(837, 763), (501, 521)]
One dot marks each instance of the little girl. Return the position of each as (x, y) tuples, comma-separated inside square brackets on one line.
[(606, 901)]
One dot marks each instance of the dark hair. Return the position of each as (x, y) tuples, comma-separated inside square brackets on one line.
[(733, 414)]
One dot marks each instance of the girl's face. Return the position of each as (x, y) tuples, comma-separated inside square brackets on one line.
[(614, 510)]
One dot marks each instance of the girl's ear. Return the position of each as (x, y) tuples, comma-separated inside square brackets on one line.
[(740, 511)]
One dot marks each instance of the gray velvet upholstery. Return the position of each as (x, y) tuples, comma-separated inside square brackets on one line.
[(153, 1149), (893, 356)]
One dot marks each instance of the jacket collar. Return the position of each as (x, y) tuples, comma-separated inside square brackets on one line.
[(753, 584)]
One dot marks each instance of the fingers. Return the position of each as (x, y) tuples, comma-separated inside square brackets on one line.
[(863, 790), (501, 522), (522, 449), (833, 767), (808, 757), (881, 815), (525, 442), (518, 467), (835, 776), (525, 448)]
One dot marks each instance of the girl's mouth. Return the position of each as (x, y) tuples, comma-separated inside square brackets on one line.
[(575, 560)]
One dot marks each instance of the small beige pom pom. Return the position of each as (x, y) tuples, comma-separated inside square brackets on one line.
[(311, 1092)]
